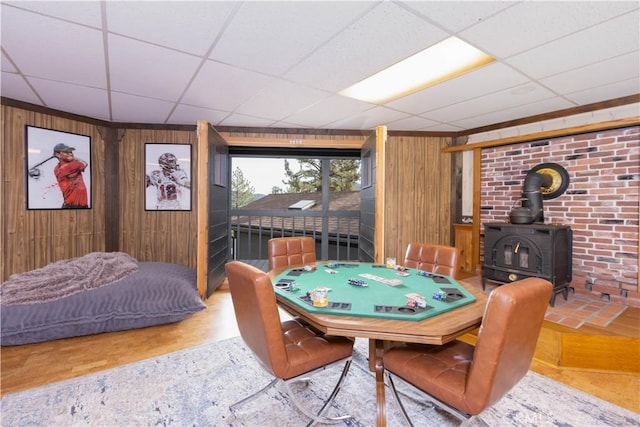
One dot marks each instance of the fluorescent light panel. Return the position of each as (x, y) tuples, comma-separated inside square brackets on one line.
[(443, 61)]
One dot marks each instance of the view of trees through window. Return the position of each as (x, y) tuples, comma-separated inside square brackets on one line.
[(252, 178)]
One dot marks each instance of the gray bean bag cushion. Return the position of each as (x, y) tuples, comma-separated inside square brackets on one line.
[(154, 294)]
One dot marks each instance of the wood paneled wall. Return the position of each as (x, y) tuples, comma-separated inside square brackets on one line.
[(417, 196), (165, 236), (416, 202), (34, 238)]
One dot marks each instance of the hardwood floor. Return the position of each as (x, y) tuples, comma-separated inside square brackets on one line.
[(28, 366)]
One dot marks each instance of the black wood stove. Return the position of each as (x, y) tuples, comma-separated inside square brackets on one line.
[(517, 251)]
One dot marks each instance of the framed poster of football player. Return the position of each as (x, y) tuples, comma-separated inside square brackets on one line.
[(167, 177), (58, 166)]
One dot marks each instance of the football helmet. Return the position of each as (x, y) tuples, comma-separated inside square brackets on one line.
[(168, 162)]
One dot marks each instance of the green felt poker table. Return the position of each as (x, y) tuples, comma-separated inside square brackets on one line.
[(372, 290)]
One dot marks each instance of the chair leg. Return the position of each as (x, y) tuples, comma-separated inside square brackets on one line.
[(432, 401), (318, 418), (334, 393), (233, 407), (396, 397), (474, 421)]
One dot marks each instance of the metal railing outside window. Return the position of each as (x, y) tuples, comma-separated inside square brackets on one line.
[(336, 233)]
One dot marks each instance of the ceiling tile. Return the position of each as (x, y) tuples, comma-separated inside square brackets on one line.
[(490, 78), (498, 101), (143, 69), (616, 69), (412, 123), (7, 65), (137, 109), (381, 38), (555, 55), (281, 99), (81, 12), (189, 26), (369, 119), (294, 31), (242, 120), (73, 98), (613, 38), (533, 23), (516, 112), (222, 87), (457, 15), (52, 49), (606, 92), (328, 111), (15, 87), (188, 115), (443, 127)]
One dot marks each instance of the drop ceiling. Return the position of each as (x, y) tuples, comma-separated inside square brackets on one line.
[(282, 64)]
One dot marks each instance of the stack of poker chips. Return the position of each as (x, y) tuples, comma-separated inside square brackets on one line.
[(357, 282), (440, 295), (416, 301), (424, 273)]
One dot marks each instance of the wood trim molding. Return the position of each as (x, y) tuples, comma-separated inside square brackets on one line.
[(202, 197), (572, 111), (595, 127), (381, 144), (295, 142), (475, 226)]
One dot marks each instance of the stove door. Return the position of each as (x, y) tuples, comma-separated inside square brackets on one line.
[(517, 252)]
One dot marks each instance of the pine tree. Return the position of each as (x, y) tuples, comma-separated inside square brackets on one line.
[(344, 175), (241, 190)]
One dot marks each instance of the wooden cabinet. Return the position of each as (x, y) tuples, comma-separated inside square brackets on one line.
[(463, 237)]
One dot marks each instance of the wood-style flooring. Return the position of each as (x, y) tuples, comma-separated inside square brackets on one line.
[(34, 365)]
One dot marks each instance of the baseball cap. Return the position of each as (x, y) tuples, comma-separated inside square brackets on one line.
[(62, 147)]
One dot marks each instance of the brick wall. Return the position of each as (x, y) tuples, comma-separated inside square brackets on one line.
[(601, 204)]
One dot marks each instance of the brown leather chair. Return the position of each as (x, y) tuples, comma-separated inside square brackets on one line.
[(291, 251), (288, 350), (465, 379), (438, 259)]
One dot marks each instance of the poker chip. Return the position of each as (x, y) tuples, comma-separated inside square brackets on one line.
[(439, 295), (357, 282), (416, 301)]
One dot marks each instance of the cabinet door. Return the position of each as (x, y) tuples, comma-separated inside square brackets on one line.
[(463, 237)]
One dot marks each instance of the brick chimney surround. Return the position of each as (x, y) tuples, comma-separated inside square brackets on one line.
[(601, 205)]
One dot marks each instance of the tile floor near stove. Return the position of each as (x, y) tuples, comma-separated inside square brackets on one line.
[(577, 310), (580, 309)]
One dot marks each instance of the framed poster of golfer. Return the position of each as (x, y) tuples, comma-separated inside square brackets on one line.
[(167, 177), (58, 166)]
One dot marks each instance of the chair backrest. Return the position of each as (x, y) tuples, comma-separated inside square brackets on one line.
[(291, 251), (254, 303), (438, 259), (506, 341)]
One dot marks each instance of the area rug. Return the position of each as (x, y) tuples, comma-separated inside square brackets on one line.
[(195, 387)]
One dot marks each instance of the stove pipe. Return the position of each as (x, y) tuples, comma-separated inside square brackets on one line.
[(532, 195)]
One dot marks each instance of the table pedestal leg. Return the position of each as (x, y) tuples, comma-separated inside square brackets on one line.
[(376, 350)]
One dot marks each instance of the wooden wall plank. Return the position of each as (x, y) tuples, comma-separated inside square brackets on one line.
[(34, 238), (165, 236), (417, 193)]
